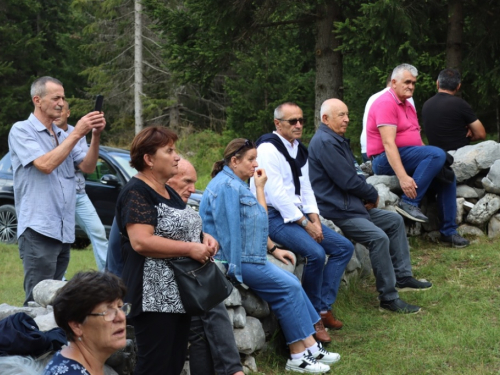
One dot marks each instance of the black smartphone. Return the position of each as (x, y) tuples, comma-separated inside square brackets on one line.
[(98, 103)]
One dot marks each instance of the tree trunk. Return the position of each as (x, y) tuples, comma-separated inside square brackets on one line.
[(455, 33), (138, 67), (328, 61)]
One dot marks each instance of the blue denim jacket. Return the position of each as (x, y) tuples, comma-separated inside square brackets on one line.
[(234, 217)]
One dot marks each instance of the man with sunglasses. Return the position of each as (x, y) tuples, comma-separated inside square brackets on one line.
[(294, 216), (344, 196)]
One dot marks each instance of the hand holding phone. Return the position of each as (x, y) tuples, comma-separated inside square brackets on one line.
[(98, 103)]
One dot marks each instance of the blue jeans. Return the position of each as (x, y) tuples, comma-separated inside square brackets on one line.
[(286, 297), (423, 163), (86, 217), (321, 282)]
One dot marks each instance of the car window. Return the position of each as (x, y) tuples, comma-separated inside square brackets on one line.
[(6, 164), (102, 168), (124, 161)]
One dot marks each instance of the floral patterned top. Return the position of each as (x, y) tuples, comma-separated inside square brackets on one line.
[(150, 281), (59, 364)]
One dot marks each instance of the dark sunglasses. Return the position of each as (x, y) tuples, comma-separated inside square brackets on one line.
[(293, 121), (247, 144)]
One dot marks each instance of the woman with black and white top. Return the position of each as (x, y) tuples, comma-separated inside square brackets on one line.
[(156, 225)]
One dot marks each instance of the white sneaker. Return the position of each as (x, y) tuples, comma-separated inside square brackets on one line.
[(306, 364), (324, 356)]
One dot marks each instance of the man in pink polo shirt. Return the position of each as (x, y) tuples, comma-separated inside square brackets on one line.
[(396, 148)]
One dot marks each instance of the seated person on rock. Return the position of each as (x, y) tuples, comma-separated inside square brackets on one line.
[(396, 148), (238, 220), (294, 220), (344, 196), (449, 121), (212, 348)]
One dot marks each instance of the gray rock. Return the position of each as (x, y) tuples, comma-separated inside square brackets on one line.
[(363, 256), (413, 228), (240, 317), (433, 236), (230, 313), (469, 160), (460, 211), (386, 195), (331, 225), (465, 191), (353, 264), (253, 304), (491, 182), (270, 325), (250, 338), (290, 267), (484, 209), (494, 226), (469, 230), (45, 291), (7, 310), (46, 322), (250, 364), (366, 167), (234, 298), (299, 267), (391, 182)]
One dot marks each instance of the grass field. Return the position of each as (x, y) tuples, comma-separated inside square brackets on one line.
[(457, 332)]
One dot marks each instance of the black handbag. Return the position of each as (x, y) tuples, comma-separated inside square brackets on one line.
[(202, 286)]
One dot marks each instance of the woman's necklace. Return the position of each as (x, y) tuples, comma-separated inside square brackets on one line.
[(163, 193)]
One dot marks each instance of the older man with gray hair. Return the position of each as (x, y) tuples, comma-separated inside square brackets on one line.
[(44, 159), (396, 148)]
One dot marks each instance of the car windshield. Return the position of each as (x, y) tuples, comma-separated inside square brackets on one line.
[(123, 160)]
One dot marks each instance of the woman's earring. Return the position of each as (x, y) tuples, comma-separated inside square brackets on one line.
[(151, 167)]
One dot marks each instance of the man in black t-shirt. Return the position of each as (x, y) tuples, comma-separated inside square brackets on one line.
[(449, 121)]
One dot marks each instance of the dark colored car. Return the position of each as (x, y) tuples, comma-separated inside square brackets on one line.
[(102, 186)]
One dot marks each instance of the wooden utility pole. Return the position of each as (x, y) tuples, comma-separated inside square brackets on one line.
[(138, 66)]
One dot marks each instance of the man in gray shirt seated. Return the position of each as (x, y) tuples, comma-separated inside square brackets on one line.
[(44, 159)]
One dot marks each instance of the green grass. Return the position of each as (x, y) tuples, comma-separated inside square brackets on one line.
[(456, 333), (11, 271)]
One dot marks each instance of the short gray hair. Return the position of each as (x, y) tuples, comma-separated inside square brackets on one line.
[(278, 111), (398, 71), (38, 86)]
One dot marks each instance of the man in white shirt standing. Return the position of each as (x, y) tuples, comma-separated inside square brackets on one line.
[(294, 216), (362, 138)]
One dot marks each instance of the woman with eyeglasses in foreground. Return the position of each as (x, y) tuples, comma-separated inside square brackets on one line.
[(90, 309), (238, 220)]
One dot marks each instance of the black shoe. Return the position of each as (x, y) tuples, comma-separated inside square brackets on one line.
[(399, 306), (455, 240), (411, 212), (409, 284)]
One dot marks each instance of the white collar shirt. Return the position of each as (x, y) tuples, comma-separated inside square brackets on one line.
[(280, 189)]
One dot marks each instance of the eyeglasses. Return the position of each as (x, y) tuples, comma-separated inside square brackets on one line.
[(110, 314), (293, 121), (247, 144)]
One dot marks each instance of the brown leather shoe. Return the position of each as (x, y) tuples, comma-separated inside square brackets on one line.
[(321, 335), (329, 321)]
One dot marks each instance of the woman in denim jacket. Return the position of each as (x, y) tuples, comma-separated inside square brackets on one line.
[(238, 220)]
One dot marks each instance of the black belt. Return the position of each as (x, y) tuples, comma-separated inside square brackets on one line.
[(374, 156)]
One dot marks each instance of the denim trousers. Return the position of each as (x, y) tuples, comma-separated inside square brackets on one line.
[(286, 297), (86, 217), (423, 163), (320, 281), (43, 258), (212, 348), (385, 238)]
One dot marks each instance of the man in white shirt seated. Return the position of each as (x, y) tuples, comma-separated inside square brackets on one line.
[(294, 216)]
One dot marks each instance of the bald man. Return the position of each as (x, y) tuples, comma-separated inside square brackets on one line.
[(212, 347), (344, 196)]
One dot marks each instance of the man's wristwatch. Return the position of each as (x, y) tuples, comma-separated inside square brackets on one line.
[(304, 223)]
